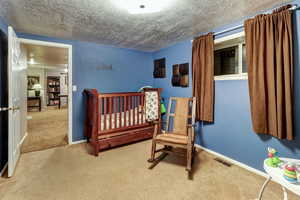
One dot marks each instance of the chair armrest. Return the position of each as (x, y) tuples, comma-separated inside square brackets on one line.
[(157, 127)]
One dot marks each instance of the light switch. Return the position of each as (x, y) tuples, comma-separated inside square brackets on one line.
[(74, 88)]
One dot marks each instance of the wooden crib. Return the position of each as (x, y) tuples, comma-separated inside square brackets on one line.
[(113, 119)]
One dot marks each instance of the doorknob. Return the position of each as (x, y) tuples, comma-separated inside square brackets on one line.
[(10, 108), (5, 109)]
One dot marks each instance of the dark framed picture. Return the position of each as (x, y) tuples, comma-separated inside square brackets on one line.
[(159, 68), (184, 74), (180, 77), (176, 76), (31, 81)]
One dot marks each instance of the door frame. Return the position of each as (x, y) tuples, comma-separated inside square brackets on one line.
[(70, 77)]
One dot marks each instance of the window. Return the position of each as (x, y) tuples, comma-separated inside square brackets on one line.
[(230, 57), (244, 65)]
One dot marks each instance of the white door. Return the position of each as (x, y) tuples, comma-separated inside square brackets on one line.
[(14, 100)]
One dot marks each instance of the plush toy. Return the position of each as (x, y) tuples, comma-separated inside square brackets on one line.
[(289, 173), (162, 107), (273, 160)]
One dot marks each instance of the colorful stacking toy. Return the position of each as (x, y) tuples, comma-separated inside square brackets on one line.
[(273, 160), (290, 173)]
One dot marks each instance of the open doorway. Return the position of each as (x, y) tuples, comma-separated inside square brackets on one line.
[(48, 95)]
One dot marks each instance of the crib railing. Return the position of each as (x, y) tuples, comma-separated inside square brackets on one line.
[(120, 111)]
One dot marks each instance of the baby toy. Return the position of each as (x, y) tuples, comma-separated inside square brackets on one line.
[(273, 160), (290, 173), (162, 107)]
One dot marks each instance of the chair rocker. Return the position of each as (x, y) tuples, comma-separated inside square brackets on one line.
[(179, 132)]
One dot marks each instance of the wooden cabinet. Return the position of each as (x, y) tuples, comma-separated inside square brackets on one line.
[(53, 90)]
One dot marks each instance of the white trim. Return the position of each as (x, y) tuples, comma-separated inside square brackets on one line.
[(70, 96), (3, 170), (242, 165), (240, 58), (44, 43), (243, 76), (237, 163), (240, 75), (70, 75), (79, 141), (229, 37), (40, 66), (23, 139)]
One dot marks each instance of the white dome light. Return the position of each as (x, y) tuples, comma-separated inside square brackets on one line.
[(142, 6)]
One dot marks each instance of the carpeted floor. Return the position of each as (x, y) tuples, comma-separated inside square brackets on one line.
[(46, 129), (70, 173)]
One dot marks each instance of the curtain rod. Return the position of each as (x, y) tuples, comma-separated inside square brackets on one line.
[(294, 7)]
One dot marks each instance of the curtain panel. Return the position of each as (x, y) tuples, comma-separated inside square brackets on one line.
[(269, 52), (203, 76)]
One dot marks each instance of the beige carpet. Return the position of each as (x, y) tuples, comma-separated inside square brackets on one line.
[(46, 129), (70, 173)]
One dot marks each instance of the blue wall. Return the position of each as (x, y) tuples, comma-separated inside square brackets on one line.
[(231, 134), (131, 70)]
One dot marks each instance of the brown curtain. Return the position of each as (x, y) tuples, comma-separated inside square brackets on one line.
[(269, 52), (203, 77)]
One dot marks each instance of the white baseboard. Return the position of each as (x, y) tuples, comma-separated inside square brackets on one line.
[(19, 146), (242, 165), (3, 170), (23, 139), (79, 142)]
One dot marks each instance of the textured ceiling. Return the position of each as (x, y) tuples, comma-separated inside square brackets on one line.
[(102, 22)]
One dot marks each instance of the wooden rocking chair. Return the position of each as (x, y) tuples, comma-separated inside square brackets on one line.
[(179, 131)]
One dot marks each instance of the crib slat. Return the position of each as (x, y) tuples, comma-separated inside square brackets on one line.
[(125, 111), (133, 110), (140, 109), (105, 113), (136, 109), (129, 110), (99, 113), (110, 103), (143, 107), (115, 104), (120, 110)]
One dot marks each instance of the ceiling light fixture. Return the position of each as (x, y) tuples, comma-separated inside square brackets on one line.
[(142, 6), (31, 61)]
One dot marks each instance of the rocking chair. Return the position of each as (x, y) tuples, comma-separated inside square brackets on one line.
[(179, 130)]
